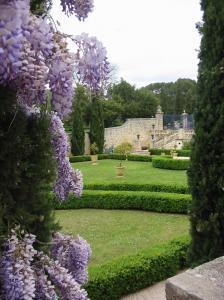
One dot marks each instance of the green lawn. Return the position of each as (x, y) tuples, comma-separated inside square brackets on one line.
[(135, 172), (113, 233)]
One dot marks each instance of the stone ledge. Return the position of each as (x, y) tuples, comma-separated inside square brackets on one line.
[(205, 282)]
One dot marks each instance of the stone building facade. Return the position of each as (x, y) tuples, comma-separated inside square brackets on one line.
[(144, 132)]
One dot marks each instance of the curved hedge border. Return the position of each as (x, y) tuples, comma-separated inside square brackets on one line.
[(150, 187), (147, 201), (158, 151), (171, 164), (131, 273)]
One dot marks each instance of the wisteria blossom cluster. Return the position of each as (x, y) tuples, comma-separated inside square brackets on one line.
[(33, 56), (92, 66), (68, 179), (28, 274), (72, 255), (79, 8)]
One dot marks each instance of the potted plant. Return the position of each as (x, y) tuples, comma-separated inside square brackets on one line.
[(174, 152), (94, 150), (123, 149)]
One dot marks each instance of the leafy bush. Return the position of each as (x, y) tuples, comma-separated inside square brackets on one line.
[(112, 156), (171, 164), (181, 189), (148, 201), (79, 158), (131, 273), (158, 151), (133, 157)]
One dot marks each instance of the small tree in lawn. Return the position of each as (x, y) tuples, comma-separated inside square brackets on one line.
[(78, 134), (123, 149)]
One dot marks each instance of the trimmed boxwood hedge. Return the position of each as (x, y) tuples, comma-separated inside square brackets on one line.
[(131, 157), (131, 273), (147, 201), (79, 158), (158, 151), (150, 187), (171, 164)]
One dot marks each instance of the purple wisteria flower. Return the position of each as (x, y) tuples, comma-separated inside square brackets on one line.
[(17, 278), (28, 274), (80, 8), (72, 254), (68, 180), (61, 82), (92, 66), (13, 14)]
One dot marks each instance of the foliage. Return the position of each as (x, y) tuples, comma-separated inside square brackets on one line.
[(131, 273), (34, 55), (79, 158), (186, 145), (149, 201), (128, 102), (123, 149), (97, 125), (27, 170), (175, 97), (182, 152), (169, 163), (207, 168), (151, 187), (78, 134), (93, 148)]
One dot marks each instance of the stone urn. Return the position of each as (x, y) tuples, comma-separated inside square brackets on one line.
[(120, 171), (94, 159)]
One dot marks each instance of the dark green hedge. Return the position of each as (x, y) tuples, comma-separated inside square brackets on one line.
[(132, 157), (79, 158), (148, 201), (111, 156), (131, 273), (150, 187), (158, 151), (171, 164)]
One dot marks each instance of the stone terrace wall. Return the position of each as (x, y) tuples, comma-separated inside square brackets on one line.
[(134, 131)]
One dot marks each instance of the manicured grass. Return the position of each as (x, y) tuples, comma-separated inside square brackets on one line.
[(135, 172), (115, 233)]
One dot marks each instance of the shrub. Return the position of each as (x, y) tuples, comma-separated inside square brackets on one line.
[(158, 151), (79, 158), (123, 149), (181, 189), (111, 156), (131, 273), (133, 157), (171, 164), (148, 201)]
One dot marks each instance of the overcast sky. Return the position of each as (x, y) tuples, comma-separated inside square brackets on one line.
[(148, 40)]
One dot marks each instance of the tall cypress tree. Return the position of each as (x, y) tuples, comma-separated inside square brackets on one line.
[(97, 124), (78, 134), (206, 173), (27, 170)]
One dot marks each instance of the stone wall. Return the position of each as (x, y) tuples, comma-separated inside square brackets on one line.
[(133, 131)]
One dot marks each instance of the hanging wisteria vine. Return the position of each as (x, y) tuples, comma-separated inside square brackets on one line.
[(34, 56), (26, 273)]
